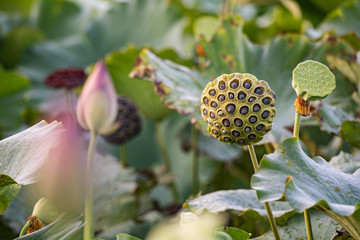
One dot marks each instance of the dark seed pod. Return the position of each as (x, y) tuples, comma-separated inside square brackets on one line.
[(130, 123), (238, 108), (66, 78)]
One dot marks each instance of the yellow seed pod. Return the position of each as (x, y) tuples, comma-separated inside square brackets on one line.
[(238, 108)]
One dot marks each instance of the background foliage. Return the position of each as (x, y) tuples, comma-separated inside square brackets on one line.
[(160, 55)]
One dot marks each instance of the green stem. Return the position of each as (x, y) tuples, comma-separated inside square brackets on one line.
[(89, 190), (306, 212), (123, 154), (267, 205), (165, 157), (195, 159), (297, 125), (308, 225), (24, 229)]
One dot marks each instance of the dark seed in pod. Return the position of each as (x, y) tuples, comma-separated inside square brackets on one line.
[(230, 108), (244, 110), (235, 133), (241, 141), (256, 108), (222, 86), (251, 136), (266, 101), (212, 115), (234, 84), (265, 115), (258, 91), (206, 100), (251, 99), (214, 104), (247, 129), (238, 122), (227, 139), (231, 95), (212, 92), (247, 85), (260, 127), (205, 112), (226, 122), (252, 119), (216, 132), (221, 98), (241, 96)]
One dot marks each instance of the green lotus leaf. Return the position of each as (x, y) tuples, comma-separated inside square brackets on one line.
[(66, 227), (350, 69), (323, 228), (345, 162), (12, 98), (344, 19), (331, 118), (306, 183), (119, 64), (241, 200), (181, 87), (350, 131), (8, 191), (23, 154)]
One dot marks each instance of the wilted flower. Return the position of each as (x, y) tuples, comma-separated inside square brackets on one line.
[(66, 78), (97, 107)]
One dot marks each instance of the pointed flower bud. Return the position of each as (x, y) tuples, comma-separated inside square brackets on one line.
[(97, 106), (46, 211)]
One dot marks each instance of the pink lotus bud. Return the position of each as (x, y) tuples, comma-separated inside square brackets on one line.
[(96, 108)]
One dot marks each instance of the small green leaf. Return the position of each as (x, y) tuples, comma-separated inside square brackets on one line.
[(241, 200), (8, 191), (124, 236), (307, 183), (350, 131), (235, 233)]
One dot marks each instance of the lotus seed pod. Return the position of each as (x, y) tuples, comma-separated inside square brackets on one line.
[(66, 78), (238, 108), (313, 80), (129, 122)]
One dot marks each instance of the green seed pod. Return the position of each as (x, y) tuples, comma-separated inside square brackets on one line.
[(238, 108), (313, 80), (129, 122)]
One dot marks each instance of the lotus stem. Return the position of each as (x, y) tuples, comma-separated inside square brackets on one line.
[(89, 188), (24, 229), (165, 157), (123, 154), (267, 205), (195, 159), (306, 212)]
